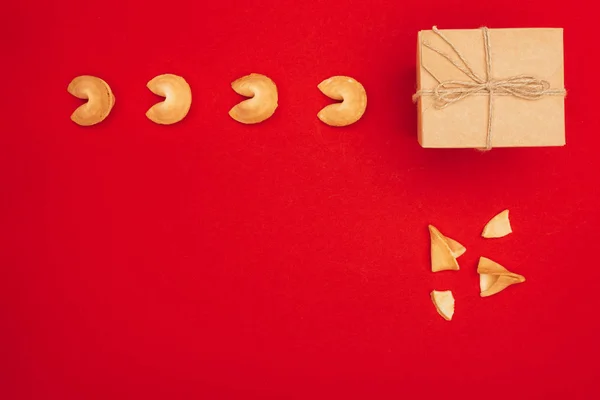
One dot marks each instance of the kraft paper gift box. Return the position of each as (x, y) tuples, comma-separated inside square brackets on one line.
[(486, 88)]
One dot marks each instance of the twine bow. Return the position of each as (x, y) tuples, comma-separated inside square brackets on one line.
[(450, 91)]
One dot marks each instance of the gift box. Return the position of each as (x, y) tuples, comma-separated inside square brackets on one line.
[(486, 88)]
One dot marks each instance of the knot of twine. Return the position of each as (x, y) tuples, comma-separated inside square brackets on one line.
[(451, 91)]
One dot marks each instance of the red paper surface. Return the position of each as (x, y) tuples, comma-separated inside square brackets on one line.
[(286, 260)]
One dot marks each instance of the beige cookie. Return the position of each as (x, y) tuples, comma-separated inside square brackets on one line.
[(263, 99), (444, 303), (99, 96), (497, 227), (444, 251), (353, 101), (494, 278), (178, 99)]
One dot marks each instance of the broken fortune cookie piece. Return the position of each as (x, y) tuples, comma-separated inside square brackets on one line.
[(444, 251), (444, 303), (497, 227), (494, 278)]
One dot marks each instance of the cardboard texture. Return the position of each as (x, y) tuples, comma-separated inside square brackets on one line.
[(516, 122)]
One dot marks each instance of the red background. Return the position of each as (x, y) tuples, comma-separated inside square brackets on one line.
[(286, 260)]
